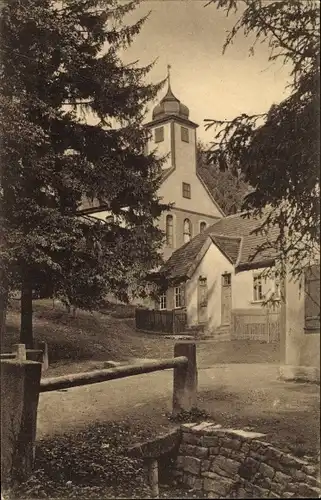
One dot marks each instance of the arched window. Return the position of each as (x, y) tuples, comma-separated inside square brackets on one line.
[(187, 232), (169, 230), (202, 226)]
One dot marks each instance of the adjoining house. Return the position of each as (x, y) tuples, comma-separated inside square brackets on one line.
[(217, 281)]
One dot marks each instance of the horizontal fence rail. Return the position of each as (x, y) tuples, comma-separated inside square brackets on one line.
[(96, 376), (21, 383)]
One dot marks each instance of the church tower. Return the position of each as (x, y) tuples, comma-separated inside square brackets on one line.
[(173, 134)]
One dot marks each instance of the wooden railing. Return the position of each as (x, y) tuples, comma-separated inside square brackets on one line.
[(23, 379), (153, 320)]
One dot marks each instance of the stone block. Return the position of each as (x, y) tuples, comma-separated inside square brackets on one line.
[(267, 470), (188, 426), (312, 481), (198, 485), (277, 488), (189, 480), (205, 465), (214, 450), (199, 428), (189, 438), (210, 440), (201, 452), (273, 495), (241, 493), (260, 492), (298, 475), (192, 465), (231, 467), (311, 470), (273, 453), (237, 455), (245, 448), (248, 435), (248, 468), (226, 452), (233, 444), (187, 450), (305, 491), (281, 478), (290, 461), (218, 484)]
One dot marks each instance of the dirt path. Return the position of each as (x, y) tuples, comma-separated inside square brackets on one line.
[(238, 395)]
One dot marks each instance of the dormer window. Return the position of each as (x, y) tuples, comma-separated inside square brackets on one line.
[(184, 134), (159, 134)]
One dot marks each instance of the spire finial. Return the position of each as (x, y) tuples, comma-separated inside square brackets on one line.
[(169, 75)]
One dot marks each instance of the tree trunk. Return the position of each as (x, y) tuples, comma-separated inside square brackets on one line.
[(26, 334), (3, 311)]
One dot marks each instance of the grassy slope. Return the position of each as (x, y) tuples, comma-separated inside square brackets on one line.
[(88, 340)]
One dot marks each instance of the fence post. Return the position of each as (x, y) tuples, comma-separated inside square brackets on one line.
[(20, 351), (185, 378), (43, 346), (173, 321), (20, 387), (268, 324)]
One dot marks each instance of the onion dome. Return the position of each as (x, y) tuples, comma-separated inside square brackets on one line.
[(170, 105)]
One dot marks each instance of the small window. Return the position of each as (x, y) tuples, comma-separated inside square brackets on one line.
[(162, 302), (257, 288), (186, 190), (178, 297), (226, 279), (169, 231), (202, 226), (159, 134), (184, 134), (187, 231), (202, 286)]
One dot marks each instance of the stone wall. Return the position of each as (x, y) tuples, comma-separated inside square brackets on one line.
[(226, 463)]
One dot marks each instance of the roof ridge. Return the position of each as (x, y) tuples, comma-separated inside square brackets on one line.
[(226, 236)]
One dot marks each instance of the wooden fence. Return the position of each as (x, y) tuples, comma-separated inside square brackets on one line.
[(261, 325), (153, 320), (21, 385), (20, 353)]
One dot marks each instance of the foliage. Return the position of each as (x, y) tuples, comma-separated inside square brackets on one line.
[(96, 466), (227, 188), (194, 415), (278, 151), (59, 62)]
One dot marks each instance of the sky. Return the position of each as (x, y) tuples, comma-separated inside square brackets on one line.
[(190, 37)]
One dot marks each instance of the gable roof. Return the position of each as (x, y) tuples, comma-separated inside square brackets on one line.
[(234, 236), (229, 246)]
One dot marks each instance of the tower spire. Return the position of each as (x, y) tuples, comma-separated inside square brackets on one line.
[(169, 75)]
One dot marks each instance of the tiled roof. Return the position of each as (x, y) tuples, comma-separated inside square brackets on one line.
[(234, 237), (181, 260), (230, 246)]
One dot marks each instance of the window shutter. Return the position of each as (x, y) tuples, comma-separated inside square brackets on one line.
[(312, 298)]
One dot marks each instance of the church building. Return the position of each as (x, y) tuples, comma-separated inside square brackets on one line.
[(174, 135)]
